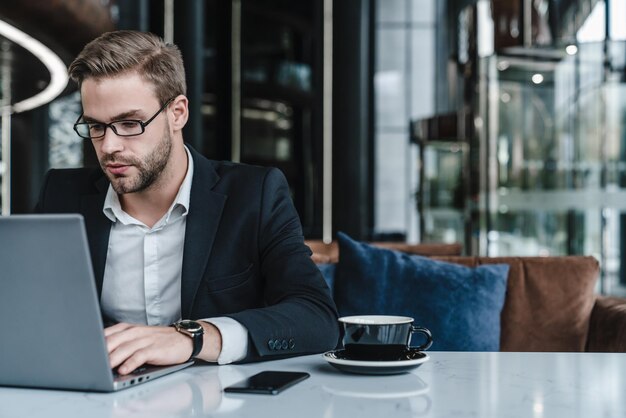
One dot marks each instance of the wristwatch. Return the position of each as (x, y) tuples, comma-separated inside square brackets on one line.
[(193, 330)]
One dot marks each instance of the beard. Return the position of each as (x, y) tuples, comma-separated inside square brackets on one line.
[(149, 167)]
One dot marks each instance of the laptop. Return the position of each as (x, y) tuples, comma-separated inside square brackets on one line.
[(51, 331)]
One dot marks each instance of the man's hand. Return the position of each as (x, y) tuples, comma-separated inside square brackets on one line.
[(131, 346)]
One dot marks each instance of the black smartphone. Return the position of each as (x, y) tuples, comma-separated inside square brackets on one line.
[(268, 382)]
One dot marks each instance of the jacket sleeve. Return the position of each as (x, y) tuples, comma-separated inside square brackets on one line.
[(300, 316)]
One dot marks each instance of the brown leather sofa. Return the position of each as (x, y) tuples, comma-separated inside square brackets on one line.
[(329, 253), (550, 304)]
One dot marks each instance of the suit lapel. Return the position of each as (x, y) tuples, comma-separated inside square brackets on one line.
[(205, 211), (98, 229)]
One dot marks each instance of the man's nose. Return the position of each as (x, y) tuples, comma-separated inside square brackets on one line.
[(111, 142)]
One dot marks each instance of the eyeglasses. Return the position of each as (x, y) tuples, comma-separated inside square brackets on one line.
[(125, 127)]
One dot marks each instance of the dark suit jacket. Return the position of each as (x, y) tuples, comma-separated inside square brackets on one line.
[(244, 254)]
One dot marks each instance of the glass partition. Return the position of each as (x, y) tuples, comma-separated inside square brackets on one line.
[(441, 195), (555, 141)]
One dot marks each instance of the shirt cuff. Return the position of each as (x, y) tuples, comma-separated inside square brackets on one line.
[(234, 339)]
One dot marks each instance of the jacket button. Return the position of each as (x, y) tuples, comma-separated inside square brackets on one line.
[(292, 344), (270, 344), (284, 345)]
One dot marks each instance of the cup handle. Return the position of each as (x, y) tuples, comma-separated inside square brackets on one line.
[(427, 334)]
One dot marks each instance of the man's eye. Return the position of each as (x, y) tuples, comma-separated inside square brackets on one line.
[(128, 124), (96, 127)]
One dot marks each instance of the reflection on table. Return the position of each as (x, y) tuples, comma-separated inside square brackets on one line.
[(448, 385)]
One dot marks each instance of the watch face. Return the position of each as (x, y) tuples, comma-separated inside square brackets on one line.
[(191, 326)]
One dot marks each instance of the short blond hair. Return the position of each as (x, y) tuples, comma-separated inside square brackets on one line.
[(119, 52)]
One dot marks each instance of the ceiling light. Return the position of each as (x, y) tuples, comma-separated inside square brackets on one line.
[(537, 78), (571, 49), (54, 64)]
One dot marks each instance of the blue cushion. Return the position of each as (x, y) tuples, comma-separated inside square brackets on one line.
[(460, 305)]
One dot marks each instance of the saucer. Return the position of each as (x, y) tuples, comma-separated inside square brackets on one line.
[(412, 359)]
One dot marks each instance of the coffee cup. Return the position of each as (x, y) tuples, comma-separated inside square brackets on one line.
[(380, 337)]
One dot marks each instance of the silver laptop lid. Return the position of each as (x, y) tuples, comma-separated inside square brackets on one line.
[(50, 319)]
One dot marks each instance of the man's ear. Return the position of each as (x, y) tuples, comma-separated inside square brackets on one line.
[(180, 112)]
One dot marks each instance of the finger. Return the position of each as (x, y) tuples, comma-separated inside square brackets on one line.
[(131, 333), (138, 358), (158, 348), (126, 351), (116, 328), (151, 353)]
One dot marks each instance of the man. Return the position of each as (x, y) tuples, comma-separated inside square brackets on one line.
[(174, 236)]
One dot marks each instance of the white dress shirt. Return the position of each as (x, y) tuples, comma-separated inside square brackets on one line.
[(142, 276)]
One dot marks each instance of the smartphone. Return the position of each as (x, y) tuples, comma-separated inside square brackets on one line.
[(268, 382)]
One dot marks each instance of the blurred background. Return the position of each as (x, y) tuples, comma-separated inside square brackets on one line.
[(497, 124)]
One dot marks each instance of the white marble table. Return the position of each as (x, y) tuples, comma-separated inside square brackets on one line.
[(503, 385)]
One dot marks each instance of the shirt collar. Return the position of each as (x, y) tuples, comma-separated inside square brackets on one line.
[(113, 209)]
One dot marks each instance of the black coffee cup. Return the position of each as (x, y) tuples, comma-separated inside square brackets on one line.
[(380, 337)]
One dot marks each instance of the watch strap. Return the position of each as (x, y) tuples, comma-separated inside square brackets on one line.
[(197, 337)]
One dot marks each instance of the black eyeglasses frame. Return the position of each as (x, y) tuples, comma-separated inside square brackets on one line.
[(111, 125)]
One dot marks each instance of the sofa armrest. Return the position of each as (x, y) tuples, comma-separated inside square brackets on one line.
[(607, 325)]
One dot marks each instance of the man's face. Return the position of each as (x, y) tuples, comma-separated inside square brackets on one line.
[(136, 163)]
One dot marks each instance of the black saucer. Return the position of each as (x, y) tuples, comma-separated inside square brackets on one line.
[(411, 359)]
